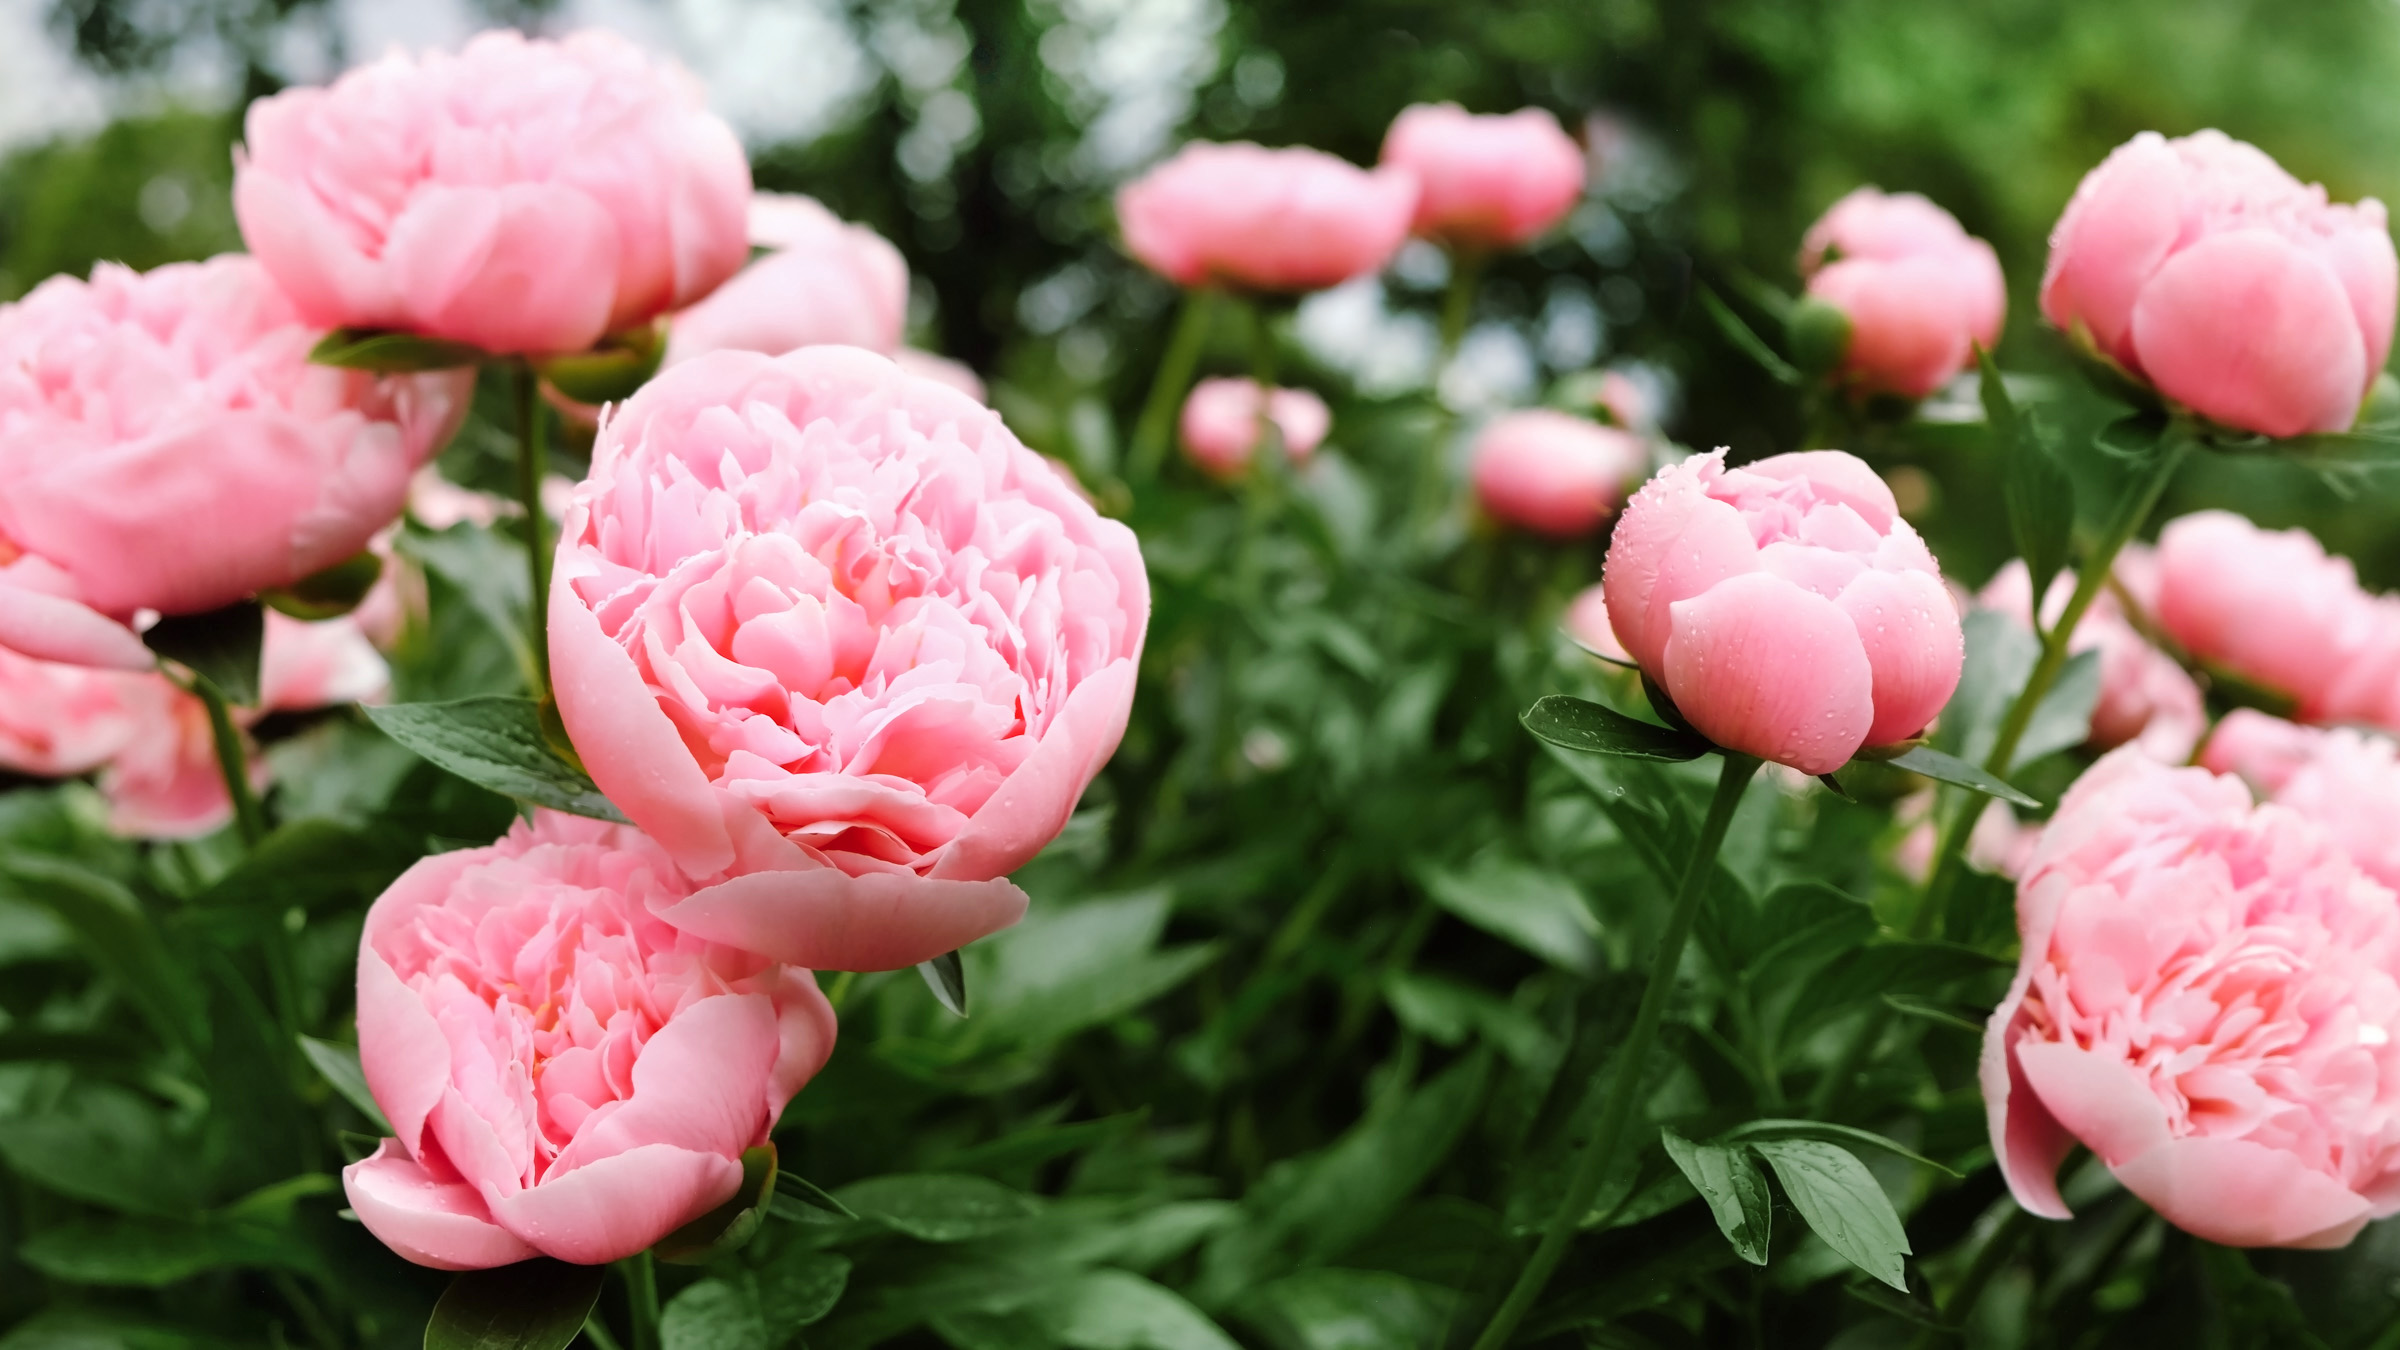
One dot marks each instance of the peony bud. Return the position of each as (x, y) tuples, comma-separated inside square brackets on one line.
[(1554, 472), (1271, 220), (1916, 293), (1486, 181), (1220, 424)]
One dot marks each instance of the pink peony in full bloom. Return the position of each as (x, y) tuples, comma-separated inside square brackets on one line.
[(1493, 181), (519, 195), (2200, 266), (2207, 999), (823, 280), (1919, 291), (1220, 423), (2271, 607), (843, 646), (2145, 697), (566, 1074), (1784, 606), (165, 444), (1270, 220), (1554, 472)]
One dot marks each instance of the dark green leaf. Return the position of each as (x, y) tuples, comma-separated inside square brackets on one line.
[(1940, 767), (2000, 655), (221, 646), (387, 353), (932, 1207), (610, 372), (311, 865), (801, 1191), (1746, 341), (1753, 1131), (799, 1285), (2063, 718), (498, 743), (1927, 1012), (1580, 724), (731, 1225), (1536, 908), (1868, 973), (1843, 1203), (489, 571), (1736, 1194), (2039, 494), (106, 1145), (533, 1305), (946, 976), (338, 1064), (1068, 967), (720, 1314), (1447, 1012), (330, 593), (150, 1251), (118, 936), (1340, 1309), (1118, 1310)]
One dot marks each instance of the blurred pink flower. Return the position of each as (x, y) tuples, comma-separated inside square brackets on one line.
[(2264, 751), (2343, 779), (520, 195), (825, 281), (1486, 181), (1554, 472), (1920, 292), (1586, 621), (843, 646), (165, 444), (1271, 220), (2200, 266), (941, 370), (567, 1075), (2145, 697), (1220, 424), (1784, 606), (2207, 1000)]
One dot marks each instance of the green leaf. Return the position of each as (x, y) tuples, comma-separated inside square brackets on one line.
[(1867, 974), (1747, 342), (149, 1252), (1843, 1203), (2063, 719), (1735, 1192), (1596, 728), (2039, 494), (2000, 655), (933, 1207), (338, 1065), (1940, 767), (1118, 1310), (1538, 909), (1068, 967), (611, 371), (800, 1190), (499, 743), (220, 646), (1447, 1012), (329, 593), (799, 1285), (1340, 1309), (489, 571), (1753, 1131), (731, 1225), (1927, 1012), (312, 865), (539, 1304), (106, 1145), (946, 976), (720, 1314), (388, 353), (118, 936)]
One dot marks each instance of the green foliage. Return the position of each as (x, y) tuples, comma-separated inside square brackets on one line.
[(504, 744)]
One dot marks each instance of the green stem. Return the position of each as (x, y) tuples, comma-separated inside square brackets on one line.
[(841, 988), (1458, 302), (530, 464), (233, 762), (2090, 580), (1167, 387), (1593, 1167), (1988, 1263), (641, 1298), (596, 1331)]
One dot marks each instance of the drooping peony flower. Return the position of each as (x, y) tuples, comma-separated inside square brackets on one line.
[(519, 195), (1784, 606), (843, 646), (1493, 181), (1919, 291), (2145, 697), (566, 1074), (1271, 220), (1554, 472), (1220, 424), (824, 280), (2207, 999), (165, 444), (2200, 266)]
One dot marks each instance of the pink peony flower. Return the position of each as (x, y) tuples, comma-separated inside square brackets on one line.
[(1220, 424), (2344, 780), (825, 281), (165, 444), (519, 195), (1554, 472), (567, 1075), (163, 782), (2264, 751), (1784, 606), (2272, 608), (2145, 697), (2207, 999), (305, 665), (59, 721), (1920, 292), (1271, 220), (1586, 621), (840, 643), (1489, 181), (2200, 266)]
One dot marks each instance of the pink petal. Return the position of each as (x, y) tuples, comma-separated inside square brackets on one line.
[(2248, 329), (1914, 645), (434, 1222), (2028, 1141), (1760, 666), (2098, 1098), (330, 283), (695, 1085), (528, 267), (620, 1204), (1029, 808), (51, 628), (2242, 1194), (2115, 233), (825, 919)]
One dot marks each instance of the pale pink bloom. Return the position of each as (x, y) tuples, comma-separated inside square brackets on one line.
[(2207, 1000), (2341, 778), (1220, 424), (941, 370), (305, 665), (843, 646), (437, 503), (2145, 697), (1784, 606), (2271, 607), (58, 721), (826, 281), (1920, 292), (164, 783), (2200, 266), (1554, 472), (165, 444), (1586, 621), (2264, 750), (1271, 220), (567, 1074), (519, 195), (1486, 181), (1626, 402)]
